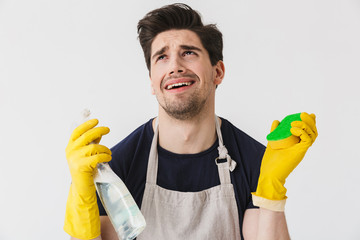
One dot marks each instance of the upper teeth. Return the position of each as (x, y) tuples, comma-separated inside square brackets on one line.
[(177, 85)]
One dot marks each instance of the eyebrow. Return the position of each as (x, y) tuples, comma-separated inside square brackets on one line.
[(185, 47), (188, 47), (159, 52)]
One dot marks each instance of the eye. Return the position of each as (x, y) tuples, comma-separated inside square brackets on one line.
[(189, 53), (161, 57)]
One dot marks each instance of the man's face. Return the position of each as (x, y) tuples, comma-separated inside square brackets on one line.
[(182, 77)]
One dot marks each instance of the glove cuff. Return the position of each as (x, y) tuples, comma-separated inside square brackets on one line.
[(273, 205)]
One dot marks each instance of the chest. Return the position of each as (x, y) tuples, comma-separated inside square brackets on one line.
[(188, 173)]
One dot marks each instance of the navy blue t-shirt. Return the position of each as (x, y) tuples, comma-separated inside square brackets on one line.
[(189, 172)]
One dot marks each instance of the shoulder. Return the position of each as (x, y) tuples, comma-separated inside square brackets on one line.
[(134, 147), (142, 133), (244, 149), (240, 138)]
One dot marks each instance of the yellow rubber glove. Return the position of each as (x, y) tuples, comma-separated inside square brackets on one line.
[(83, 153), (278, 163)]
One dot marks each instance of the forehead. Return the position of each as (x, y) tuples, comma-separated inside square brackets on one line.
[(176, 38)]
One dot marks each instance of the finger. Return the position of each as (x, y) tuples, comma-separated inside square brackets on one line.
[(81, 129), (96, 141), (86, 158), (304, 136), (313, 116), (91, 136), (305, 117), (310, 120), (274, 125), (305, 127), (90, 150), (315, 128), (99, 158), (93, 149)]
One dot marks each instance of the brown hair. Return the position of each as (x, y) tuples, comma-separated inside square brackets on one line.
[(179, 16)]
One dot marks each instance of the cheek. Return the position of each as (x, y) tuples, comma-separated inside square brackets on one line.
[(156, 76), (155, 82), (206, 75), (153, 85)]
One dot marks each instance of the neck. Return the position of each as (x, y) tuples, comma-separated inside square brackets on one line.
[(187, 136)]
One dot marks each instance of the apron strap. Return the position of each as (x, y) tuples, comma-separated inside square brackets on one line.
[(152, 168), (224, 167)]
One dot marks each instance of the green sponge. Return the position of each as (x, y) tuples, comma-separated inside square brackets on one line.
[(281, 137)]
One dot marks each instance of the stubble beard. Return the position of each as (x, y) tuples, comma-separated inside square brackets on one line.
[(184, 109)]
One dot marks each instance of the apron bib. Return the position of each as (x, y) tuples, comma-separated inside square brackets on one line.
[(208, 214)]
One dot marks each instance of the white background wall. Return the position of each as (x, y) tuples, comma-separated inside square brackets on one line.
[(282, 57)]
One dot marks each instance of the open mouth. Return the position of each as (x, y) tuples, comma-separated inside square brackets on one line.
[(178, 85)]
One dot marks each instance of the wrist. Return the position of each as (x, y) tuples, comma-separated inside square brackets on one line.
[(271, 188), (273, 205), (82, 219)]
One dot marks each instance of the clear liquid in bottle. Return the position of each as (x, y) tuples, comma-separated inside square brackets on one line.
[(120, 206)]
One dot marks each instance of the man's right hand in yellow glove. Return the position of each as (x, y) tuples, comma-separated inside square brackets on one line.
[(83, 153), (278, 163)]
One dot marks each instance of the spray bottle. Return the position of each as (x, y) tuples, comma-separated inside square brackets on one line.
[(120, 206)]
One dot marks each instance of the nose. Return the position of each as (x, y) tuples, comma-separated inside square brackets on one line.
[(176, 66)]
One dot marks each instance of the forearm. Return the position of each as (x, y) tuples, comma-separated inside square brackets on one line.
[(272, 225)]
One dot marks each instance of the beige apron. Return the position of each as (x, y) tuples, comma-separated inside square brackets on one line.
[(208, 214)]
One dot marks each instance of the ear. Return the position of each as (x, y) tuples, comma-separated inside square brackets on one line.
[(219, 69)]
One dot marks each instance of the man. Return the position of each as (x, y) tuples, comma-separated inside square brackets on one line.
[(195, 175)]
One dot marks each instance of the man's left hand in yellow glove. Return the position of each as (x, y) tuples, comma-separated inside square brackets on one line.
[(83, 153), (278, 163)]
